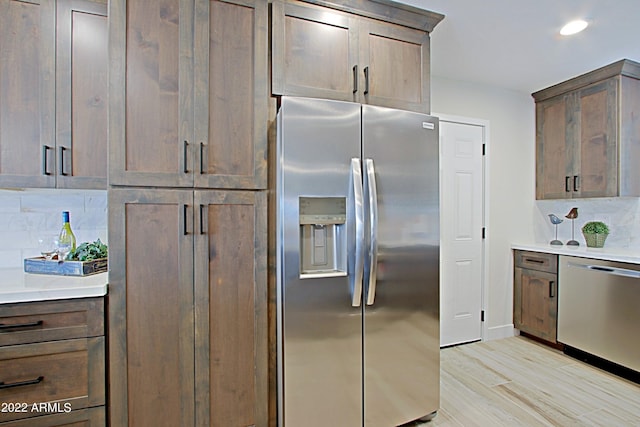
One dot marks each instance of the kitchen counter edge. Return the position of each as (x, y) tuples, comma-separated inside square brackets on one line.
[(16, 286), (607, 254)]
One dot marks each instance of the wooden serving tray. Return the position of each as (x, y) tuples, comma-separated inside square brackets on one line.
[(39, 265)]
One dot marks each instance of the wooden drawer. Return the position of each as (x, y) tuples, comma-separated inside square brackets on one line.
[(69, 372), (92, 417), (539, 261), (32, 322)]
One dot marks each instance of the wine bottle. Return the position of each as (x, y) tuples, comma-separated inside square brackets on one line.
[(66, 238)]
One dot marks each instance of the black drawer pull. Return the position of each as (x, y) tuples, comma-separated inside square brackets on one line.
[(4, 327), (185, 154), (202, 158), (21, 383), (62, 172), (537, 261), (366, 80), (45, 150), (355, 78)]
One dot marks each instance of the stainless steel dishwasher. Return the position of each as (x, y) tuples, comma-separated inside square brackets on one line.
[(599, 308)]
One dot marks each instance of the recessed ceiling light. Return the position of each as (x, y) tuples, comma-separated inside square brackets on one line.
[(574, 27)]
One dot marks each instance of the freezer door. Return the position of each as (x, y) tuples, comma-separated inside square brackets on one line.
[(401, 326), (319, 308)]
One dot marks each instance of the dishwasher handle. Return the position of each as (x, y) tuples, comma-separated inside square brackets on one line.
[(624, 272)]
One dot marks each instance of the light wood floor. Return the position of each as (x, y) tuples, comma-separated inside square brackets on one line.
[(518, 382)]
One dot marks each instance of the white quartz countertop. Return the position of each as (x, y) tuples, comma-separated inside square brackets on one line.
[(18, 286), (608, 254)]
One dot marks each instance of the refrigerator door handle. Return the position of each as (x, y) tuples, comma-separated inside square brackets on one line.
[(373, 236), (356, 277)]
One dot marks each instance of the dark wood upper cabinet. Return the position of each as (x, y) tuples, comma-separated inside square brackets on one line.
[(189, 97), (314, 52), (27, 93), (53, 93), (587, 140), (396, 66), (374, 53), (81, 94)]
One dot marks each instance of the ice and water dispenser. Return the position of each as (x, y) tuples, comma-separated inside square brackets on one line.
[(323, 244)]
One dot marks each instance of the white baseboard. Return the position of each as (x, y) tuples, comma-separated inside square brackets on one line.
[(499, 332)]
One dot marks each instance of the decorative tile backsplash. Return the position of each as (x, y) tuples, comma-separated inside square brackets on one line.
[(27, 214), (621, 214)]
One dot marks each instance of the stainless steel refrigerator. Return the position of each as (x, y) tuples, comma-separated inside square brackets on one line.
[(357, 264)]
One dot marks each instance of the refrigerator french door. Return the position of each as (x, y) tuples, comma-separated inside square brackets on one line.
[(357, 264)]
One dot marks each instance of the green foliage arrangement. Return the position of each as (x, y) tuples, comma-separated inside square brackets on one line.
[(89, 251), (595, 227)]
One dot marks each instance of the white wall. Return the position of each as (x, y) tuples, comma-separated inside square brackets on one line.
[(27, 214), (511, 181)]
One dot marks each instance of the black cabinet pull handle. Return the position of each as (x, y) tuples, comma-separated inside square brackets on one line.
[(355, 78), (45, 149), (567, 184), (366, 80), (21, 383), (184, 220), (537, 261), (202, 219), (185, 150), (551, 292), (576, 182), (5, 327), (202, 158), (62, 172)]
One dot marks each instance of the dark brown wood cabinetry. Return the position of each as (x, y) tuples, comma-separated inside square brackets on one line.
[(52, 362), (27, 93), (189, 106), (587, 140), (535, 294), (189, 116), (53, 121), (375, 53), (194, 111), (188, 307), (81, 94)]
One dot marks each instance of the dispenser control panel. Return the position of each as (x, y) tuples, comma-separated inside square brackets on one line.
[(323, 210)]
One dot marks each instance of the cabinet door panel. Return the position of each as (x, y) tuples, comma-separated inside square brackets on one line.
[(536, 303), (150, 127), (151, 307), (81, 96), (598, 140), (396, 61), (231, 93), (552, 156), (314, 52), (231, 319), (27, 91)]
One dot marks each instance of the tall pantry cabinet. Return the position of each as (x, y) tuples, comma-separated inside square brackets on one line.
[(187, 212)]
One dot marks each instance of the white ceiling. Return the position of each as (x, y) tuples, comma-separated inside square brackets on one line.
[(515, 44)]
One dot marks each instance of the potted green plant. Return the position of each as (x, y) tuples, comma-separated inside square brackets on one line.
[(595, 233)]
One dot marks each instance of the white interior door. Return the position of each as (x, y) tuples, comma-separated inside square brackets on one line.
[(462, 196)]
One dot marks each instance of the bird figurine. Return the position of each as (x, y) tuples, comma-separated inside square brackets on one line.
[(572, 215), (555, 221)]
